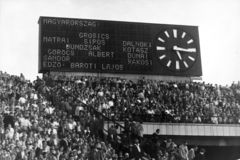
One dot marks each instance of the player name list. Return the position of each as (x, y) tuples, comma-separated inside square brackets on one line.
[(94, 45)]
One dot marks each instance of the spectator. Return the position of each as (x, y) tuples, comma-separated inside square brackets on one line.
[(165, 156), (201, 155), (155, 136), (164, 143), (136, 151), (191, 153), (139, 129), (169, 142), (101, 123), (126, 156), (9, 132), (183, 151), (21, 154), (8, 120)]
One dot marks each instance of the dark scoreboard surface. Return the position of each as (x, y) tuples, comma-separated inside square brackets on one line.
[(84, 45)]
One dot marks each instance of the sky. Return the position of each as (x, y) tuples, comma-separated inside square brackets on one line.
[(218, 21)]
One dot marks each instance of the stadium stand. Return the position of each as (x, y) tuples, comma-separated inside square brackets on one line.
[(58, 117), (158, 101)]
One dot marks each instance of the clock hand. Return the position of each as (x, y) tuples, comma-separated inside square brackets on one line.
[(176, 48), (179, 55)]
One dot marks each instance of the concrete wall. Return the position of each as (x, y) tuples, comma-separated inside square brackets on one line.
[(190, 129)]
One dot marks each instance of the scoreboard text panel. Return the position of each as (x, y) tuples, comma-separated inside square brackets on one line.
[(80, 45)]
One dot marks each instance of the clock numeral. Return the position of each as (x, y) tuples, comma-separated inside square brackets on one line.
[(160, 48), (167, 34), (190, 41), (191, 58), (169, 63), (183, 34), (185, 63), (160, 39), (177, 65), (192, 49), (163, 56), (175, 33), (179, 55)]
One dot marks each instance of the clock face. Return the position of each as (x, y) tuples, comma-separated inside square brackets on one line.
[(176, 50)]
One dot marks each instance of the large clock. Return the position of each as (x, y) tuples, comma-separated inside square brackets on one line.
[(176, 49)]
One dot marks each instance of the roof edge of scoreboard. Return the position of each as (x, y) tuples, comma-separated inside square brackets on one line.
[(114, 21)]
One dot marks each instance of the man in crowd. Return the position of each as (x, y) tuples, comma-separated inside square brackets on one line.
[(191, 153), (183, 151), (201, 155), (137, 150), (155, 136)]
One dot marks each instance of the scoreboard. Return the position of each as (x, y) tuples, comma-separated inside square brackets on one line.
[(84, 45)]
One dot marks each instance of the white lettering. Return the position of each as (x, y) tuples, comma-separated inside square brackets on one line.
[(137, 55), (135, 50), (61, 52), (137, 44), (93, 35), (100, 54), (57, 58), (54, 39), (72, 22), (82, 65), (94, 41), (52, 64), (83, 47), (112, 66), (139, 62)]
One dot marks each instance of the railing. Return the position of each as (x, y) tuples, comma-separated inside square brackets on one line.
[(167, 118)]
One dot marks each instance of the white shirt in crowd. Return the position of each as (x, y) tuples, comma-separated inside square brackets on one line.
[(49, 110), (39, 143), (151, 112), (100, 93), (55, 124), (22, 100), (25, 122), (17, 135), (137, 145), (34, 105), (10, 132), (33, 96), (78, 109), (2, 131), (54, 131), (85, 101), (19, 107), (71, 126), (110, 103)]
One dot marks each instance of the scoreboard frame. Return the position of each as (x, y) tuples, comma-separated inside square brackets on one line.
[(100, 46)]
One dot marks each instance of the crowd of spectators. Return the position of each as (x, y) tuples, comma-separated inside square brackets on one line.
[(35, 125), (155, 101), (59, 117), (32, 128)]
